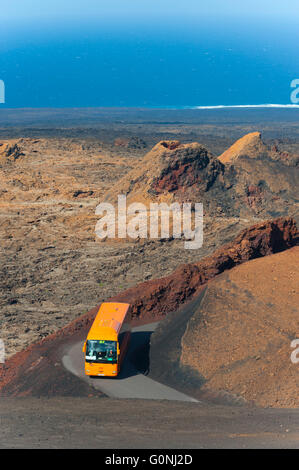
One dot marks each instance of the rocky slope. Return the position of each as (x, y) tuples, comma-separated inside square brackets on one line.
[(38, 371), (247, 180), (52, 266), (237, 340), (171, 171), (249, 145), (161, 296), (266, 178), (252, 146)]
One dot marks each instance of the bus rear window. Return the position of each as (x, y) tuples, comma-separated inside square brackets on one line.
[(101, 351)]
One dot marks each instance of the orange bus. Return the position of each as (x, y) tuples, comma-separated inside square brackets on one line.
[(107, 341)]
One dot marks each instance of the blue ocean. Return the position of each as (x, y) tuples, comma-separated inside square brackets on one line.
[(144, 64)]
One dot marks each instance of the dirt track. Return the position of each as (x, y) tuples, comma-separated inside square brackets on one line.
[(114, 424)]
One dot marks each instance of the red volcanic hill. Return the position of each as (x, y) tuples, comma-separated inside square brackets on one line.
[(247, 180), (38, 370), (236, 343), (171, 171)]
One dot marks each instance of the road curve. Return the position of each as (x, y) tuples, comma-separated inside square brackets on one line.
[(130, 383)]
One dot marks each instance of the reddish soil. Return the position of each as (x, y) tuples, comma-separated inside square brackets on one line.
[(158, 297), (53, 267), (239, 339), (37, 371)]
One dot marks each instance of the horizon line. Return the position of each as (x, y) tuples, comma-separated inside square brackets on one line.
[(266, 105), (168, 107)]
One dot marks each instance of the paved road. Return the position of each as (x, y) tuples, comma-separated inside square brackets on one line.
[(130, 383)]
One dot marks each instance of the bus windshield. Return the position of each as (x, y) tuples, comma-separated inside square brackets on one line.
[(101, 351)]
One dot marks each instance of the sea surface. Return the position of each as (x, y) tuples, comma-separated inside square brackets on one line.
[(165, 64)]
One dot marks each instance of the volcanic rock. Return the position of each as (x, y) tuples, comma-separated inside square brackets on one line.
[(130, 143), (10, 151), (36, 371), (237, 339), (250, 145), (247, 180), (161, 296), (171, 171)]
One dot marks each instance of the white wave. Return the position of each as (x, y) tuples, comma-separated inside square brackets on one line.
[(221, 106)]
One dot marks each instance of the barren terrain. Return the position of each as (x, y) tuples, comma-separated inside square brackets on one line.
[(238, 339), (52, 178), (72, 423), (39, 371), (56, 166)]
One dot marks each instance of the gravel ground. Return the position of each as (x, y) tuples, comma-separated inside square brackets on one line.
[(115, 424)]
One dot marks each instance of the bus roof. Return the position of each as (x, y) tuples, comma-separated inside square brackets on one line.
[(108, 321)]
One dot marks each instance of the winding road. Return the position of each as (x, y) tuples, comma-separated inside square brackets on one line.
[(130, 383)]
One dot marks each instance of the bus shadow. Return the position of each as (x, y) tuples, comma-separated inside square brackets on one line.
[(137, 358)]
